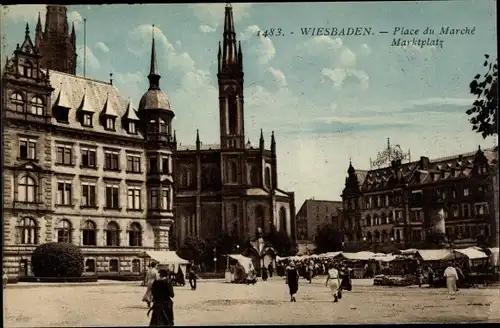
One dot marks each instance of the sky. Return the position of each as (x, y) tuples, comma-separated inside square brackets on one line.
[(328, 98)]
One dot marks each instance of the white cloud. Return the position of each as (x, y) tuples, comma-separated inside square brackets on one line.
[(23, 13), (212, 14), (441, 101), (101, 46), (322, 45), (207, 29), (92, 62), (338, 76), (180, 60), (259, 46), (347, 57), (364, 50), (76, 18), (131, 84), (278, 76)]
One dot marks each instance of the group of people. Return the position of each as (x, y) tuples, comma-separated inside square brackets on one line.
[(338, 278)]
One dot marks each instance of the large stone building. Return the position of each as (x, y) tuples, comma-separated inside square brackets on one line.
[(231, 186), (315, 213), (405, 203), (80, 165)]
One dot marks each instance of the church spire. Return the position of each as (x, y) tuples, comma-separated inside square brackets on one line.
[(154, 77), (198, 143), (261, 140), (229, 43)]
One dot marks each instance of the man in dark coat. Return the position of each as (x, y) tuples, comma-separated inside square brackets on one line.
[(163, 305), (292, 279)]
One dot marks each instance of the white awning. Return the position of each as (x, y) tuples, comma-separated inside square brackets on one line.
[(472, 253), (331, 255), (245, 262), (434, 254), (165, 257), (495, 256), (360, 256)]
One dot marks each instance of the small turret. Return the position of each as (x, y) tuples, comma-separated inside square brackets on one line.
[(219, 58), (261, 140), (39, 32), (240, 56), (198, 143), (273, 144)]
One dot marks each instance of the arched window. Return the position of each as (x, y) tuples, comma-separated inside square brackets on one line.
[(28, 231), (135, 235), (369, 237), (368, 221), (260, 217), (113, 265), (17, 101), (163, 127), (112, 234), (376, 220), (64, 232), (233, 172), (268, 177), (383, 218), (254, 176), (136, 266), (384, 235), (89, 233), (26, 191), (186, 177), (152, 126), (283, 226), (232, 114), (90, 265), (377, 236), (36, 106)]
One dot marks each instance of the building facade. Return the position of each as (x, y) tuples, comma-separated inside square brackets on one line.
[(77, 158), (314, 214), (232, 186), (405, 204)]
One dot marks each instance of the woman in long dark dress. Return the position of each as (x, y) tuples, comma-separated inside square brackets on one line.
[(163, 305), (292, 279)]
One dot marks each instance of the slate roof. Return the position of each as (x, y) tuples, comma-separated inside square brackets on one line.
[(79, 93)]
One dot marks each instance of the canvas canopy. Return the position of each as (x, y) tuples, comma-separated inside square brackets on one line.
[(494, 257), (359, 256), (331, 255), (472, 253), (434, 254), (165, 257), (244, 261), (383, 257)]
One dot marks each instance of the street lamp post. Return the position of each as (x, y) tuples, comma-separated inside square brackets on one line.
[(238, 249), (215, 260)]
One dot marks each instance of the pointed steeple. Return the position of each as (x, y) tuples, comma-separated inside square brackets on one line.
[(229, 43), (351, 169), (261, 140), (27, 33), (273, 144), (73, 34), (219, 58), (39, 32), (39, 23), (240, 56), (198, 143), (154, 77), (175, 137)]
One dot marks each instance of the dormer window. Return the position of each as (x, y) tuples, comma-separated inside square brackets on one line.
[(87, 120), (132, 128), (36, 106), (28, 70), (163, 127), (17, 101), (110, 123)]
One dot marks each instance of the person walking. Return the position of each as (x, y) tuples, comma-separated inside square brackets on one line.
[(163, 305), (310, 272), (333, 281), (292, 280), (192, 276), (270, 269), (430, 276), (151, 277), (264, 273), (451, 276), (420, 276)]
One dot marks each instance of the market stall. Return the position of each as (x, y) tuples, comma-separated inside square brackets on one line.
[(238, 267), (357, 262), (166, 259)]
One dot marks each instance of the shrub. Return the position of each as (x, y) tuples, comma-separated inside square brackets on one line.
[(57, 260)]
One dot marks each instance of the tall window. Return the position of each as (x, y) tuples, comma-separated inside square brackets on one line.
[(132, 129), (154, 201), (254, 178), (163, 127), (87, 120), (456, 211), (466, 210), (233, 172), (111, 160), (110, 123), (27, 148), (134, 198), (28, 231), (260, 217), (36, 106), (88, 195), (113, 265), (112, 197), (28, 70), (481, 209), (234, 211), (283, 226), (64, 193), (136, 266), (89, 234), (135, 235), (64, 232), (165, 199), (90, 265), (18, 102), (185, 177), (27, 190), (153, 164), (112, 234), (134, 163), (268, 176), (88, 157), (165, 164), (64, 155), (466, 192)]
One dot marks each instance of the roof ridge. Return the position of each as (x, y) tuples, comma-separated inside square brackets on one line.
[(81, 77)]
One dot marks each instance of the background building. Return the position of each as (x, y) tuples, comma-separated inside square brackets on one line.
[(315, 213), (231, 186), (408, 203), (75, 158)]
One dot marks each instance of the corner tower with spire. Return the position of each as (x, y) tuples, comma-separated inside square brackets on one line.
[(156, 116), (56, 44)]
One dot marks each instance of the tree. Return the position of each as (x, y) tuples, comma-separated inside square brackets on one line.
[(194, 249), (485, 111), (172, 241), (328, 239), (281, 242), (57, 260)]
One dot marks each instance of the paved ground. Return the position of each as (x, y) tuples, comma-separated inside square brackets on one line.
[(218, 303)]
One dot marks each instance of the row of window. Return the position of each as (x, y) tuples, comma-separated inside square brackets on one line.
[(36, 104), (157, 198), (113, 266), (186, 176), (28, 233), (64, 156)]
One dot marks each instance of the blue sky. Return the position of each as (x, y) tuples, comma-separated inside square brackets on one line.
[(327, 98)]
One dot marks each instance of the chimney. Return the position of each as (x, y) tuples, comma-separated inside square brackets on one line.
[(424, 163)]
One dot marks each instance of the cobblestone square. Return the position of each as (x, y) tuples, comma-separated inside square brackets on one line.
[(219, 303)]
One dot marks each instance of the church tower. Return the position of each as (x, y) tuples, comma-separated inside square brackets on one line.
[(230, 77), (57, 44)]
